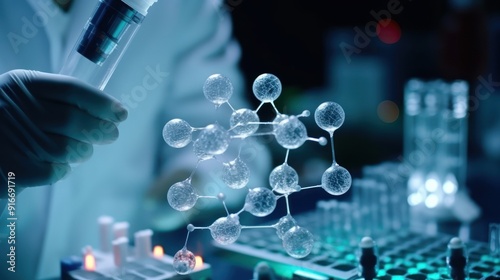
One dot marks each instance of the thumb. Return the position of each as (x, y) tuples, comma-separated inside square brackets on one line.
[(60, 171)]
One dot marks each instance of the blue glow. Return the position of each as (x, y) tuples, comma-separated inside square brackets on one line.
[(310, 275)]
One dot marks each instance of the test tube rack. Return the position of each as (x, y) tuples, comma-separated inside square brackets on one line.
[(402, 255), (119, 260)]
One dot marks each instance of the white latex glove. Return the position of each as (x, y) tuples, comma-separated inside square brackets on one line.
[(48, 121)]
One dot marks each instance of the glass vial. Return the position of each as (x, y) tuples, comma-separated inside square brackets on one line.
[(494, 239), (104, 39), (435, 141)]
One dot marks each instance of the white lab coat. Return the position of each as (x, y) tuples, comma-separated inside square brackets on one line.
[(179, 44)]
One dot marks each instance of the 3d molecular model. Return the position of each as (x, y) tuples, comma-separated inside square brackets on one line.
[(213, 140)]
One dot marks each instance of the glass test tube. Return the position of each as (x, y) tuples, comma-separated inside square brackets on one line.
[(413, 125), (435, 140), (494, 239), (104, 39), (323, 214), (455, 142)]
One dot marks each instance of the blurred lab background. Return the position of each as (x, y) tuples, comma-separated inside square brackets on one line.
[(361, 54)]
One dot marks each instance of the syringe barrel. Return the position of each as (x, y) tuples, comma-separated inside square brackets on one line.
[(103, 41)]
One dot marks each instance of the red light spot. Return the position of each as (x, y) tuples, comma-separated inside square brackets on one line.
[(388, 111), (199, 262), (158, 252), (388, 31), (89, 262)]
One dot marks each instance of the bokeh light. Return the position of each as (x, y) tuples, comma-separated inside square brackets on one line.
[(432, 201), (199, 263), (158, 252), (388, 111), (388, 31)]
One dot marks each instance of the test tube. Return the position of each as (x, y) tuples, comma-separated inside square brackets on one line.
[(404, 206), (455, 140), (105, 224), (346, 220), (413, 106), (369, 206), (120, 251), (494, 239), (143, 247), (383, 208), (435, 144), (361, 207), (355, 221), (120, 229), (373, 200), (323, 214), (335, 229), (104, 39), (356, 210)]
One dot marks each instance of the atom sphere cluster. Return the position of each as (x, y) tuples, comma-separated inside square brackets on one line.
[(213, 140)]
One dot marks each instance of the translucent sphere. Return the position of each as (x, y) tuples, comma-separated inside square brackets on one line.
[(212, 140), (184, 261), (226, 230), (260, 202), (181, 196), (177, 133), (240, 120), (298, 242), (329, 116), (217, 89), (285, 224), (200, 152), (336, 180), (266, 88), (235, 174), (279, 118), (284, 179), (291, 133), (221, 196)]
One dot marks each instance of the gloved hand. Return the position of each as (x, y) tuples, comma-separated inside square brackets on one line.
[(48, 121)]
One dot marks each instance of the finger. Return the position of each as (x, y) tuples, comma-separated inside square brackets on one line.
[(49, 173), (72, 122), (33, 143), (72, 91), (60, 149)]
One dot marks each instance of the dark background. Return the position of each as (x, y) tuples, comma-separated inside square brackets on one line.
[(293, 40)]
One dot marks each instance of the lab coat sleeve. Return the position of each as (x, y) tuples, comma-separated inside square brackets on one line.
[(213, 50)]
